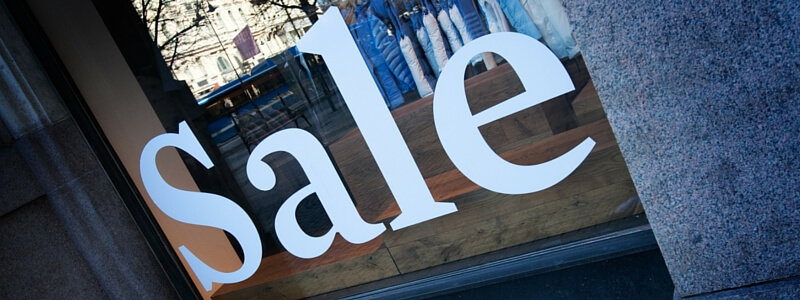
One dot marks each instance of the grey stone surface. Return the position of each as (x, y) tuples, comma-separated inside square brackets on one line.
[(39, 261), (78, 242), (108, 239), (781, 290), (22, 79), (5, 136), (93, 214), (57, 154), (18, 184), (703, 99)]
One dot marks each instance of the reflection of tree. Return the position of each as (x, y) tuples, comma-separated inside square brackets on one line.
[(172, 24), (310, 9)]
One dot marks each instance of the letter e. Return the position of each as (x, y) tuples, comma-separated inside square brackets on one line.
[(543, 77)]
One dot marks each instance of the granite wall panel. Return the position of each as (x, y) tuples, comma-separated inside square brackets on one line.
[(19, 184), (703, 99), (79, 241), (39, 261), (92, 213)]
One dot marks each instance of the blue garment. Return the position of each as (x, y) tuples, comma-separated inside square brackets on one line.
[(404, 28), (377, 66), (519, 18), (433, 9), (390, 51), (379, 8), (412, 53), (471, 18), (387, 46), (558, 18), (549, 33)]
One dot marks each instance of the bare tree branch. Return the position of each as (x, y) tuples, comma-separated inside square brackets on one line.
[(161, 15), (157, 20), (145, 3), (308, 8), (174, 53), (281, 5), (177, 35)]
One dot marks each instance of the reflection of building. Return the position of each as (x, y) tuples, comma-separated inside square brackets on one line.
[(190, 33)]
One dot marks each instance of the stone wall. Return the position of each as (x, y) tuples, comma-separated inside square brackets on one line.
[(65, 231), (703, 98)]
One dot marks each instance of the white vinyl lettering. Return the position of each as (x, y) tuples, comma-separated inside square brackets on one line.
[(200, 208), (330, 38), (323, 180), (543, 77)]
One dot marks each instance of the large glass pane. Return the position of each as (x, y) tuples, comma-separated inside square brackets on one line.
[(250, 80)]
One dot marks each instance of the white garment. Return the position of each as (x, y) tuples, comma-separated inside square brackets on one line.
[(494, 16), (427, 47), (423, 86), (458, 21), (450, 31), (439, 53), (548, 30), (556, 14)]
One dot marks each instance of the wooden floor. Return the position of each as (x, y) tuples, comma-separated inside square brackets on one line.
[(599, 191)]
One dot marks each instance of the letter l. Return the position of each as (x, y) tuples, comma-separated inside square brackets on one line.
[(330, 38)]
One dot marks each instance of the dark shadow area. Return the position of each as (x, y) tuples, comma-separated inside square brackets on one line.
[(637, 276)]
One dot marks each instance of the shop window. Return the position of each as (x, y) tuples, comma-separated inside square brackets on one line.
[(223, 65), (233, 19), (221, 22), (361, 161)]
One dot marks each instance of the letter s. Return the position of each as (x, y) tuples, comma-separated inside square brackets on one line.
[(200, 208)]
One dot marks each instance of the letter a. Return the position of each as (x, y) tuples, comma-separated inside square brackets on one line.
[(323, 180)]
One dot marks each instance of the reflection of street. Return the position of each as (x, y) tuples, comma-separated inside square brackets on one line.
[(253, 125), (210, 43), (328, 123)]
